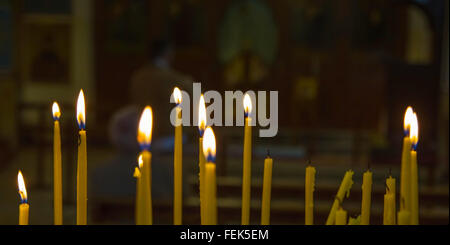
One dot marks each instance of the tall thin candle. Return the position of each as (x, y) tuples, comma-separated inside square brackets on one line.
[(414, 136), (405, 178), (144, 138), (201, 156), (82, 163), (267, 188), (24, 207), (366, 197), (309, 194), (247, 162), (209, 149), (178, 162), (57, 171)]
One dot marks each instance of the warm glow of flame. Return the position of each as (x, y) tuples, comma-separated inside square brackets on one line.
[(144, 136), (140, 161), (414, 130), (408, 117), (201, 114), (209, 144), (56, 111), (81, 111), (247, 104), (22, 188), (177, 95)]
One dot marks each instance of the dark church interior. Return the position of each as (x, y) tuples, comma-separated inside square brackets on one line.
[(345, 72)]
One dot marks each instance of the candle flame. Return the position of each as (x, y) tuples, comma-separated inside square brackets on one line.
[(414, 131), (209, 144), (177, 95), (201, 115), (247, 104), (407, 120), (81, 110), (140, 161), (144, 136), (22, 188), (56, 111)]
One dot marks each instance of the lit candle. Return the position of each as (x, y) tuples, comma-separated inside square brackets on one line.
[(344, 190), (139, 191), (23, 207), (144, 137), (414, 136), (267, 186), (341, 217), (57, 172), (309, 194), (178, 162), (389, 211), (405, 178), (366, 197), (201, 156), (209, 150), (247, 162), (82, 163)]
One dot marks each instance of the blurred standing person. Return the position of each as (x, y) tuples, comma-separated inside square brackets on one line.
[(153, 84)]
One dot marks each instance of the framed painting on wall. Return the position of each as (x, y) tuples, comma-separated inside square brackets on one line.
[(46, 54)]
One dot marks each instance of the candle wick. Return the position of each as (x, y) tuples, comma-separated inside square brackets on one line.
[(390, 172), (268, 153)]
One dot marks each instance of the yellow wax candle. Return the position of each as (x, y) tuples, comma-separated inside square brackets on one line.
[(344, 189), (57, 171), (247, 161), (389, 210), (209, 149), (404, 217), (82, 163), (147, 214), (405, 178), (414, 136), (389, 213), (309, 195), (144, 138), (23, 207), (267, 186), (138, 209), (178, 162), (139, 192), (341, 217), (366, 197), (202, 181), (23, 213), (201, 157)]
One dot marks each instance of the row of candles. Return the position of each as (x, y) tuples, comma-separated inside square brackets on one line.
[(409, 208)]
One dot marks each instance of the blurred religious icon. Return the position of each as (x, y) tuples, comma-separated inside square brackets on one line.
[(305, 94), (186, 22), (419, 41), (248, 42), (126, 25), (311, 22), (48, 65)]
